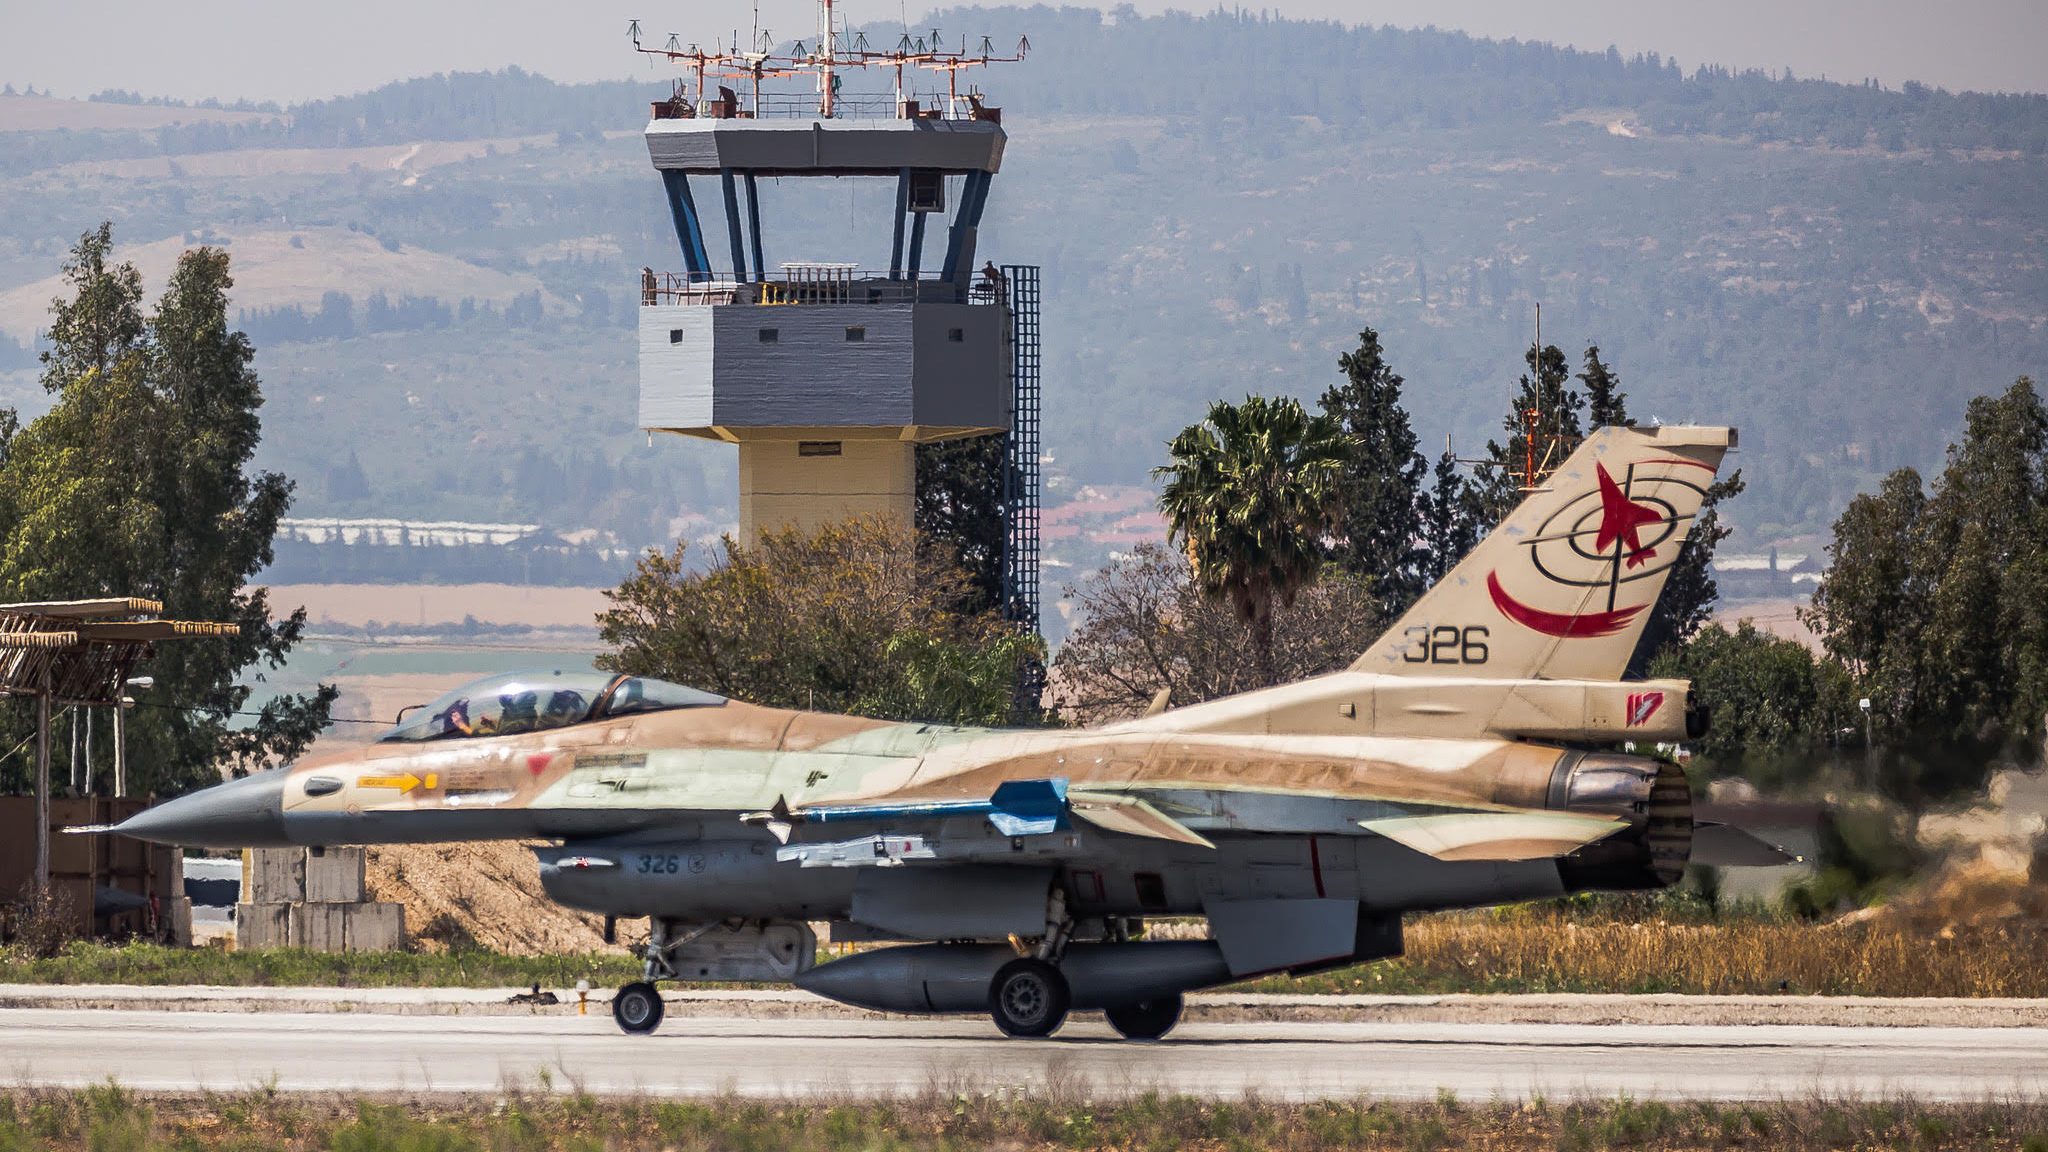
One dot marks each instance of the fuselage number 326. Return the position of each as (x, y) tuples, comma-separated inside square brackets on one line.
[(1445, 644)]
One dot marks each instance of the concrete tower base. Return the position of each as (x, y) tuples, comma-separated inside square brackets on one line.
[(809, 484)]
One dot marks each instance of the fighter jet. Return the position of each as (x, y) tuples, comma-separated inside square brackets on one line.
[(1468, 758)]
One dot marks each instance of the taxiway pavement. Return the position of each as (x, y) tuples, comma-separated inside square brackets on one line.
[(388, 1053)]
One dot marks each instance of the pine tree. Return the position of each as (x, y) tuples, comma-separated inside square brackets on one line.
[(961, 521), (1379, 490), (1606, 403), (1545, 407), (1447, 525)]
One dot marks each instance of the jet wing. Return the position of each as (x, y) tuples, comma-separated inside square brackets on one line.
[(1499, 836)]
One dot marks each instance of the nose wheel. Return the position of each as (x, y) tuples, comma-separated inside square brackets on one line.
[(637, 1007), (1028, 998)]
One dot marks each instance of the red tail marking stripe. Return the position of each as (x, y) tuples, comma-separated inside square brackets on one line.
[(1569, 627)]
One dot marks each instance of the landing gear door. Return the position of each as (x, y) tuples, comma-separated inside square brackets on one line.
[(1276, 935)]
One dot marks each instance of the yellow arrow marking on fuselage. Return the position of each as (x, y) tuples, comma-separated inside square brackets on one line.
[(405, 783)]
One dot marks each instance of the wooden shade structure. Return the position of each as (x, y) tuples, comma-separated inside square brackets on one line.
[(79, 652)]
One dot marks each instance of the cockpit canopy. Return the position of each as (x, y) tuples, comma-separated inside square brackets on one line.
[(537, 701)]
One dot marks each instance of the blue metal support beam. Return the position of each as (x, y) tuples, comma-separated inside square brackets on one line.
[(754, 227), (732, 225), (960, 244), (902, 206), (916, 243), (683, 210)]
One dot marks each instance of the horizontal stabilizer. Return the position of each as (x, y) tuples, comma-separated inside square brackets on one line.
[(1133, 817), (1500, 836), (1726, 846)]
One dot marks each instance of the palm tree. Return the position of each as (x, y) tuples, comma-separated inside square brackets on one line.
[(1252, 492)]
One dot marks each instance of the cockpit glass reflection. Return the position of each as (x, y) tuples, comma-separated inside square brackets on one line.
[(520, 702)]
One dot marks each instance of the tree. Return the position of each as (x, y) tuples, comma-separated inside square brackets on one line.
[(1251, 492), (136, 482), (1774, 707), (1543, 426), (959, 512), (101, 322), (1449, 524), (1379, 488), (850, 618), (1606, 403), (1934, 603), (1143, 625)]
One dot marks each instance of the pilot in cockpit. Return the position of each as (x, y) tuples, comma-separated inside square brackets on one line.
[(455, 720), (565, 707)]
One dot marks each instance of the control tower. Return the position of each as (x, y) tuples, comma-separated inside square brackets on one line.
[(827, 375)]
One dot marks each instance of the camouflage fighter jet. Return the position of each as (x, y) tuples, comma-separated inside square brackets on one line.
[(1461, 761)]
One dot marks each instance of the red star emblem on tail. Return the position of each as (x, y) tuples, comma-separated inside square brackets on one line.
[(1619, 519)]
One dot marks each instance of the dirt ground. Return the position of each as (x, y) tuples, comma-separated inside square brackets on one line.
[(487, 893), (1779, 618)]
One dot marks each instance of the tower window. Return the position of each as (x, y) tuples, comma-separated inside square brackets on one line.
[(675, 335), (856, 335), (956, 335), (771, 335)]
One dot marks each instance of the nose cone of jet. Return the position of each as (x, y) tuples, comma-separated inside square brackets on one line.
[(244, 813)]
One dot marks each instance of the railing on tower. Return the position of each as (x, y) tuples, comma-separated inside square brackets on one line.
[(807, 283)]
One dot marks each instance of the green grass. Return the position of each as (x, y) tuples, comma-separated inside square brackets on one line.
[(86, 963), (110, 1117)]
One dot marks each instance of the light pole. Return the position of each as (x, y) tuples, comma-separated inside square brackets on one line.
[(121, 706), (1869, 747)]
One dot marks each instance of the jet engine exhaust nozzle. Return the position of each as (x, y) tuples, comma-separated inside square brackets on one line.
[(1652, 795)]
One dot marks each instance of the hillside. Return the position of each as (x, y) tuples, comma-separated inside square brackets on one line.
[(1834, 268)]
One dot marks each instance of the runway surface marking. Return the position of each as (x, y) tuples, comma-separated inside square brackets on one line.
[(295, 1052)]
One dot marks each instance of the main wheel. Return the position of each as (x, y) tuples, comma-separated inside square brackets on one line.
[(1147, 1019), (1028, 998), (637, 1007)]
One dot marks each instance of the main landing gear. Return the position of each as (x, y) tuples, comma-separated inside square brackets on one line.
[(1028, 997)]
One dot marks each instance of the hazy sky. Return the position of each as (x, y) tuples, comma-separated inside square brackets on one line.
[(287, 50)]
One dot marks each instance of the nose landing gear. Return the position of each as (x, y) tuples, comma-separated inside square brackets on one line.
[(637, 1007)]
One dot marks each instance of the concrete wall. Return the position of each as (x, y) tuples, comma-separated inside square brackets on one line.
[(312, 898), (821, 147), (780, 487), (705, 366), (321, 927)]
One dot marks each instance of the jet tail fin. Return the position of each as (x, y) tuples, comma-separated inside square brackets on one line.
[(1562, 589)]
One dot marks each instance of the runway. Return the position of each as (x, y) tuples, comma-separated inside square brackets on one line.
[(308, 1052)]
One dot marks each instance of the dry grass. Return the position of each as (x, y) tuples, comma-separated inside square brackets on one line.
[(109, 1117), (1548, 950)]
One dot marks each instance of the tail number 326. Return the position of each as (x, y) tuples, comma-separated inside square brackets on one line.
[(1445, 644)]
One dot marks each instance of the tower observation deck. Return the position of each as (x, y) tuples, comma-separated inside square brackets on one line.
[(826, 374)]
